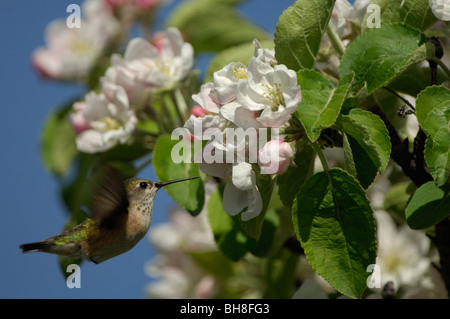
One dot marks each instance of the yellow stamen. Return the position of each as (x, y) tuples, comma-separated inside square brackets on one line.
[(111, 124), (239, 72)]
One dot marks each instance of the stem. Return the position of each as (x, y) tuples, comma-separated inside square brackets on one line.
[(324, 162), (180, 105), (401, 98), (335, 40), (443, 66)]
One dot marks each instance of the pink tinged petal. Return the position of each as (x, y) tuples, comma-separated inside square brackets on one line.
[(77, 119), (205, 98), (139, 48), (198, 111), (275, 157)]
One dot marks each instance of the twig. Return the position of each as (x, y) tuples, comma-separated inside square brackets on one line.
[(401, 98)]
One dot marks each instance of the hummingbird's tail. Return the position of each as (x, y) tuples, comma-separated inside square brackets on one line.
[(37, 246)]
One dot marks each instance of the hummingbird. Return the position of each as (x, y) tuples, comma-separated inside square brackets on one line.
[(121, 212)]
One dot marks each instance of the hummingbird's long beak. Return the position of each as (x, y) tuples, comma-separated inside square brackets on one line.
[(161, 184)]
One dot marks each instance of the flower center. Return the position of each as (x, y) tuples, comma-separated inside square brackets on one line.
[(240, 72), (393, 261), (273, 95), (110, 124), (80, 47)]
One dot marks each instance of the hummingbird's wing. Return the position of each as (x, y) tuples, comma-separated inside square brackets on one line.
[(109, 202)]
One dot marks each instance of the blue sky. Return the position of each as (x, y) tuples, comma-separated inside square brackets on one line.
[(31, 208)]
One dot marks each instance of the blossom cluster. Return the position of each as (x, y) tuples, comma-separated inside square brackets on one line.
[(71, 53), (108, 118), (260, 96)]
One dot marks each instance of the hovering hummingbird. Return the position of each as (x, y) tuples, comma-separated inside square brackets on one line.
[(121, 212)]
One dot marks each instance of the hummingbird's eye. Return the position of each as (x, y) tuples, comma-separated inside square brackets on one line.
[(143, 185)]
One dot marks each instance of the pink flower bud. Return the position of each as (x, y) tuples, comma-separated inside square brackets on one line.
[(79, 122), (274, 157), (198, 111)]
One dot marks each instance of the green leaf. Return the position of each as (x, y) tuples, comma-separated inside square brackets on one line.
[(415, 13), (428, 206), (289, 183), (321, 102), (433, 114), (229, 237), (334, 222), (58, 148), (189, 194), (368, 141), (213, 25), (299, 32), (381, 54), (415, 79), (241, 53), (358, 163)]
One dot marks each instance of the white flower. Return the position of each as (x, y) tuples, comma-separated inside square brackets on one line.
[(274, 157), (145, 66), (272, 90), (441, 9), (402, 252), (207, 99), (263, 54), (70, 54), (226, 82), (111, 121), (240, 191)]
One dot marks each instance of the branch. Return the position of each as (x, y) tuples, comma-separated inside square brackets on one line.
[(411, 163)]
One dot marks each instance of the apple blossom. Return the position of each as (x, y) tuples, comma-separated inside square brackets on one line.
[(272, 90), (70, 54), (207, 98), (239, 103), (145, 67), (402, 252), (110, 121), (240, 191), (263, 54), (275, 156), (226, 81)]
